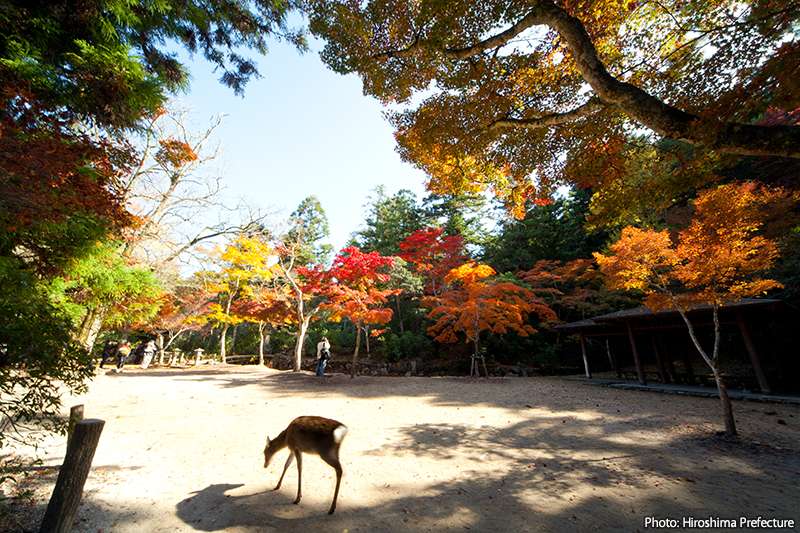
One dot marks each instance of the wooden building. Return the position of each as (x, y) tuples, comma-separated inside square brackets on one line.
[(658, 344)]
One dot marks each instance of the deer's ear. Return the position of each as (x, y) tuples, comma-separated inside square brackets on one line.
[(268, 440)]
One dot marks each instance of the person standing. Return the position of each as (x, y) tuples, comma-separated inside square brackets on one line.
[(123, 352), (323, 355), (148, 353), (109, 351)]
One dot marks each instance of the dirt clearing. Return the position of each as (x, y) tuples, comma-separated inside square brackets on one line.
[(182, 451)]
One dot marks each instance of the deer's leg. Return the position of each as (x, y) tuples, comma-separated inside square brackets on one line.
[(332, 459), (285, 468), (299, 457)]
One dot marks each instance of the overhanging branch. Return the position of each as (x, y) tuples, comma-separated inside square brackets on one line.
[(661, 117), (553, 119)]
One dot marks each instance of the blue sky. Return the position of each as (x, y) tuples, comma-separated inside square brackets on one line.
[(300, 130)]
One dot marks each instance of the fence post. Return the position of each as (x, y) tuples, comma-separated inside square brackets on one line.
[(66, 498)]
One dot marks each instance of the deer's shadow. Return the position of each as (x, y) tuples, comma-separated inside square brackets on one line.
[(220, 506)]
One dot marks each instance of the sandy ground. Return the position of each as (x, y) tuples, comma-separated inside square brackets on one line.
[(182, 451)]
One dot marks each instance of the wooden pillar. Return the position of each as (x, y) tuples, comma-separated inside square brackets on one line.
[(66, 498), (636, 360), (612, 360), (662, 371), (585, 357), (667, 354), (687, 360), (763, 384)]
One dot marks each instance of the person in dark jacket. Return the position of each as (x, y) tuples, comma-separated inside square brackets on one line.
[(109, 351)]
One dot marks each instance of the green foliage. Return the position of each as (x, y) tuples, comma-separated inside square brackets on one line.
[(459, 214), (553, 231), (308, 226), (401, 277), (107, 59), (390, 219), (406, 345), (103, 279), (39, 357)]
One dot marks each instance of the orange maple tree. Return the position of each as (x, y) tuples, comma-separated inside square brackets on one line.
[(474, 302), (181, 311), (714, 261), (268, 306)]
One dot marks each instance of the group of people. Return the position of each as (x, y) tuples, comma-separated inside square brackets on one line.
[(120, 351)]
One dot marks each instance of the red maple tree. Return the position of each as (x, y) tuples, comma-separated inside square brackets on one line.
[(432, 255)]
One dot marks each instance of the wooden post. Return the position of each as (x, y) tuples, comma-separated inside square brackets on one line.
[(687, 360), (662, 371), (636, 360), (666, 353), (763, 384), (75, 416), (585, 357), (66, 498), (612, 359)]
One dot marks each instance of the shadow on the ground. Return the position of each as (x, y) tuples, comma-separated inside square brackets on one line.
[(568, 488)]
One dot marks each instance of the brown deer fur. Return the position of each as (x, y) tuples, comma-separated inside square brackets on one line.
[(310, 434)]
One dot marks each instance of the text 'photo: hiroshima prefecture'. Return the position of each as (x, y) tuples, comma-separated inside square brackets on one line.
[(399, 266)]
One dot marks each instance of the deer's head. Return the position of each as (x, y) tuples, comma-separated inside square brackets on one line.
[(268, 453)]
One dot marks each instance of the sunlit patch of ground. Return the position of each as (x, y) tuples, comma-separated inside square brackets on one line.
[(181, 451)]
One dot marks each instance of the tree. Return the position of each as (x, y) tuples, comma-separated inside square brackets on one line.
[(461, 214), (403, 281), (299, 251), (269, 306), (474, 303), (182, 309), (510, 91), (352, 287), (110, 61), (390, 219), (433, 255), (166, 190), (74, 78), (575, 290), (308, 225), (242, 262), (716, 260), (553, 230)]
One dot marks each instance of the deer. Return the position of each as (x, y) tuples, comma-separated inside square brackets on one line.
[(310, 434)]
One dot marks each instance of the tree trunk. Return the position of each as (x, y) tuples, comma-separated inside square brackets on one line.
[(90, 327), (298, 348), (160, 341), (713, 364), (585, 357), (223, 354), (727, 407), (261, 343), (355, 352), (366, 339), (233, 339), (474, 371), (399, 313)]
